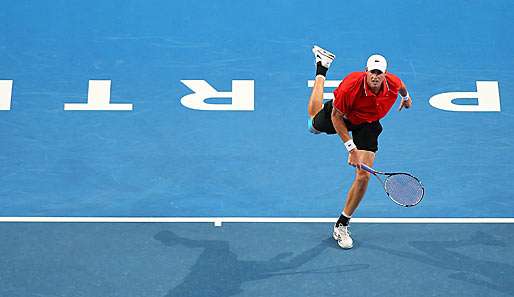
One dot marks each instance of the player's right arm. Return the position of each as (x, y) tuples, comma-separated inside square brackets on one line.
[(339, 125), (342, 131)]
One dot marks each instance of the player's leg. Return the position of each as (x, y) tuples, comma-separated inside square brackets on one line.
[(354, 197), (359, 185), (316, 99), (323, 60), (366, 139)]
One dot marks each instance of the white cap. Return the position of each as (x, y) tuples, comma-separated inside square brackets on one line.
[(377, 62)]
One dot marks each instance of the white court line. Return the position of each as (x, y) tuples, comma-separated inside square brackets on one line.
[(218, 221)]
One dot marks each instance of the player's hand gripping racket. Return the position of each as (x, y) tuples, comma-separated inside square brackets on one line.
[(403, 188)]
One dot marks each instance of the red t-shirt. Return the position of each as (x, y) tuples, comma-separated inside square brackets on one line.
[(355, 100)]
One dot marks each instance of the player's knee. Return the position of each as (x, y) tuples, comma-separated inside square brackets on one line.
[(362, 176), (312, 112), (314, 109)]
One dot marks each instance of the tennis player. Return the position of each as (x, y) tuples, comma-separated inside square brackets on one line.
[(360, 101)]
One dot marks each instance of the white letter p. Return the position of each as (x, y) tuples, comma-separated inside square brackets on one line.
[(487, 93)]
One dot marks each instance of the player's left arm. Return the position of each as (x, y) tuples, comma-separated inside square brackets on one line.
[(406, 98)]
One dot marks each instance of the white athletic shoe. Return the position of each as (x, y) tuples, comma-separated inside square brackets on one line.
[(342, 235), (323, 56)]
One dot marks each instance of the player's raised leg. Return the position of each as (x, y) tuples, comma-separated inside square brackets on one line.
[(323, 60)]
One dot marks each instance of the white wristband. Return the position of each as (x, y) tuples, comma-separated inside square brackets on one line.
[(350, 145), (406, 97)]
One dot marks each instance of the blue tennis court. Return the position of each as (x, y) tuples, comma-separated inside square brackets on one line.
[(143, 152)]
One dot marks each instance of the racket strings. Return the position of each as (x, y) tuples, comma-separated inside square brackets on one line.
[(404, 189)]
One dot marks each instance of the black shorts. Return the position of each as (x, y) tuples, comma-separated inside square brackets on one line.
[(365, 136)]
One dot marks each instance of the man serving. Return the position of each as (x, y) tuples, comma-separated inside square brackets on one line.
[(360, 101)]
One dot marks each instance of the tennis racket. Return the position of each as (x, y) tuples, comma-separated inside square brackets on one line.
[(403, 188)]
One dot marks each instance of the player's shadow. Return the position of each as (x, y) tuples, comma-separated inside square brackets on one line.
[(218, 271), (442, 254)]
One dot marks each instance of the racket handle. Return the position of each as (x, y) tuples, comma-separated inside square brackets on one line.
[(368, 169)]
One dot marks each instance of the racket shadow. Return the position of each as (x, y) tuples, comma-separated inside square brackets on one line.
[(445, 255)]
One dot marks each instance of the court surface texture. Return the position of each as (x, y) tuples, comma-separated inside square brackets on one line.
[(160, 198)]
